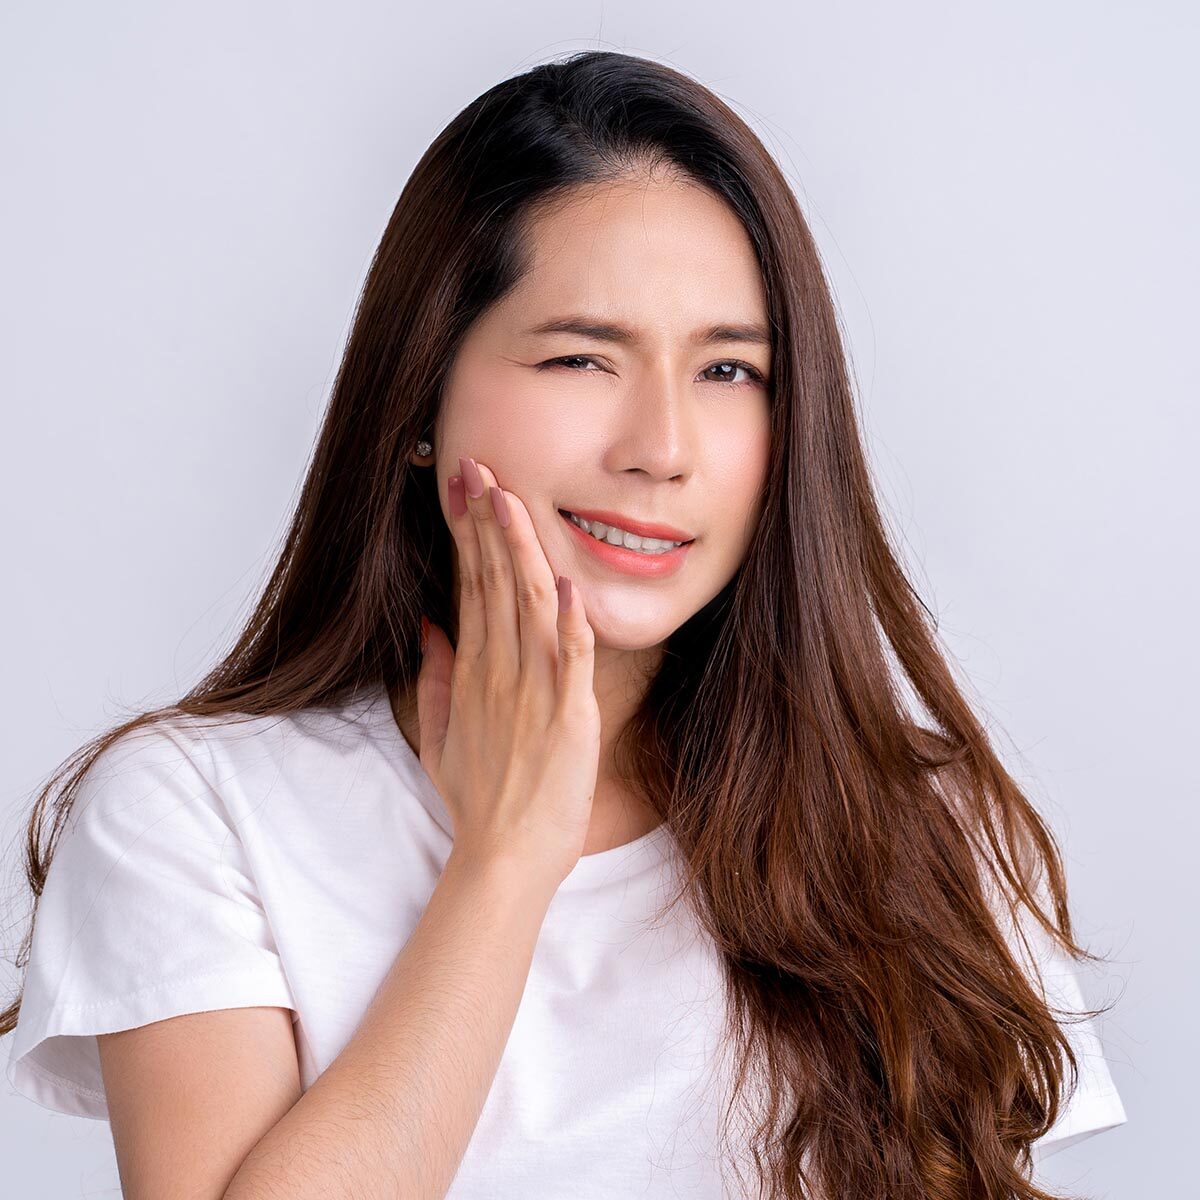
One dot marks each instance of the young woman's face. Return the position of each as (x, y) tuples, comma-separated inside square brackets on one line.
[(662, 428)]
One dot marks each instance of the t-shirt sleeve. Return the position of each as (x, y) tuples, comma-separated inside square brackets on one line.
[(1094, 1105), (149, 910)]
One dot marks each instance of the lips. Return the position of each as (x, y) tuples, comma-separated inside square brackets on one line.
[(668, 533), (616, 556)]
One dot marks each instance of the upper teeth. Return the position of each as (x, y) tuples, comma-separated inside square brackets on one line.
[(621, 537)]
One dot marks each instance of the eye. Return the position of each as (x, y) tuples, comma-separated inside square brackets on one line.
[(570, 358), (755, 374)]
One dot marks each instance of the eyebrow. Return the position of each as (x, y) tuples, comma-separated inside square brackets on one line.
[(607, 331)]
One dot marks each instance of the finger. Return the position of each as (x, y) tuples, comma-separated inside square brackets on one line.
[(535, 591), (496, 571), (576, 651), (472, 623)]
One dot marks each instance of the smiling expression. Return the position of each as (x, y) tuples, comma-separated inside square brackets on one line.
[(629, 371)]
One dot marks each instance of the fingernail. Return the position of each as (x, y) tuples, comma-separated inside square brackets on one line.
[(458, 501), (472, 477), (499, 505), (564, 593)]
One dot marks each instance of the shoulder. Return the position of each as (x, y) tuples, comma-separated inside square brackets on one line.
[(220, 763)]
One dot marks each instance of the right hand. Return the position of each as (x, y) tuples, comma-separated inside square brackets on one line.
[(509, 724)]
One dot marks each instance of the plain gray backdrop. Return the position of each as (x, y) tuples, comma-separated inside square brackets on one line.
[(1005, 197)]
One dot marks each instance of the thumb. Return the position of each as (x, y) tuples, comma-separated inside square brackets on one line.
[(433, 695)]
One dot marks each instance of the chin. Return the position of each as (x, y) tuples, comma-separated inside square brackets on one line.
[(612, 633)]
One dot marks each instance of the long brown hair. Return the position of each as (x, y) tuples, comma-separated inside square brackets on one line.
[(852, 859)]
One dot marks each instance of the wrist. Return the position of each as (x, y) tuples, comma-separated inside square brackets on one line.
[(506, 871)]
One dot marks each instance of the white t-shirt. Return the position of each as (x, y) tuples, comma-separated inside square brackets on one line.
[(286, 861)]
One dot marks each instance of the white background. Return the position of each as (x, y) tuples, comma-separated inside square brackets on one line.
[(1005, 196)]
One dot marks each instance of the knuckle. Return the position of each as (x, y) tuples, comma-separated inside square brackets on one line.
[(572, 650), (495, 575), (574, 715), (460, 677), (470, 582), (532, 597)]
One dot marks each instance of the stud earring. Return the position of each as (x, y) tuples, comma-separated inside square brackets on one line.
[(424, 448)]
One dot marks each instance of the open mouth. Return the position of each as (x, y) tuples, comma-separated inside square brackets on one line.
[(567, 515)]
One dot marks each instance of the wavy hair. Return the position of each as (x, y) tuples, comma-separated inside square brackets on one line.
[(855, 861)]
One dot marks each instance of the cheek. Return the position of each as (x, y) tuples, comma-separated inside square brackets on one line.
[(486, 422), (738, 468), (515, 431)]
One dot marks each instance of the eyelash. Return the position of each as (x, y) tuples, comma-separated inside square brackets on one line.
[(755, 374)]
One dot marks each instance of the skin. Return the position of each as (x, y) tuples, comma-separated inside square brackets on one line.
[(664, 428)]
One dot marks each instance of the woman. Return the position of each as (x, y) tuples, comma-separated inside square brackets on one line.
[(640, 878)]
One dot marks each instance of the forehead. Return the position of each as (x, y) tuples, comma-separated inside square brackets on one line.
[(666, 258)]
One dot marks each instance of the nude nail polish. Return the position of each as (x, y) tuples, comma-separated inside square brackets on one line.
[(471, 477)]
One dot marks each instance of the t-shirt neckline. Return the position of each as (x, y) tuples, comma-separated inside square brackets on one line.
[(644, 853)]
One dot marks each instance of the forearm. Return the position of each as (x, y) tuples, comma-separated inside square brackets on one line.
[(392, 1115)]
